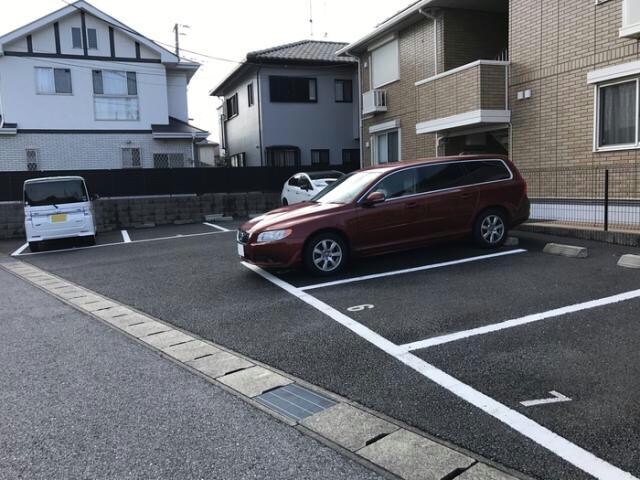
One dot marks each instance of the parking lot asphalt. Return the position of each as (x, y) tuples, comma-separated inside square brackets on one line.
[(79, 400), (197, 283)]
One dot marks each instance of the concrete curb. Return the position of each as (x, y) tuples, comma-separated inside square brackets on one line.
[(629, 261), (378, 442), (629, 239), (569, 251)]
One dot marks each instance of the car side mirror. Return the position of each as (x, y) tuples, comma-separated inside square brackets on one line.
[(373, 198)]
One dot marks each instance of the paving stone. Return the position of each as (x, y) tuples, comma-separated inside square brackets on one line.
[(190, 351), (115, 311), (347, 426), (254, 381), (484, 472), (86, 299), (167, 339), (570, 251), (54, 285), (145, 329), (127, 320), (72, 293), (413, 457), (219, 364), (101, 305), (629, 261)]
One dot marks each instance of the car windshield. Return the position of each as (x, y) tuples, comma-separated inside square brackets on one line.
[(56, 192), (325, 175), (347, 188)]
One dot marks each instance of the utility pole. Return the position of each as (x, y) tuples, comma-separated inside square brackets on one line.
[(176, 30), (311, 17)]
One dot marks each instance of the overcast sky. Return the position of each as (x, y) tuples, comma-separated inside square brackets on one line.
[(225, 28)]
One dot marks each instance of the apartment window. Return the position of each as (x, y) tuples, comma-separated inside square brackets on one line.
[(630, 18), (250, 94), (33, 159), (618, 115), (168, 160), (386, 147), (238, 160), (232, 106), (385, 64), (131, 158), (283, 157), (92, 38), (320, 157), (76, 37), (293, 89), (344, 91), (351, 156), (51, 81), (115, 95)]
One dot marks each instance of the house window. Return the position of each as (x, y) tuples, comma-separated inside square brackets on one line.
[(618, 115), (320, 157), (92, 38), (51, 81), (351, 156), (232, 106), (293, 89), (33, 159), (115, 95), (283, 157), (630, 18), (238, 160), (385, 65), (344, 91), (386, 147), (168, 160), (76, 37), (131, 158), (250, 94)]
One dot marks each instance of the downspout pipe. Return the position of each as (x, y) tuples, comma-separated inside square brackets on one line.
[(432, 15)]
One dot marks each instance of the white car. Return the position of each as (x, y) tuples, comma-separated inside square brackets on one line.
[(57, 207), (302, 187)]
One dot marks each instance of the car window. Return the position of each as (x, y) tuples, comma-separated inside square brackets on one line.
[(484, 171), (304, 182), (440, 177), (398, 184), (325, 175), (293, 181), (347, 189), (55, 192)]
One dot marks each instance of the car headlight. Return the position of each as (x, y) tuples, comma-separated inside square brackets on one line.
[(273, 235)]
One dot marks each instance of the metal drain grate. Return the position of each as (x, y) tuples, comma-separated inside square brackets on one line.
[(294, 401)]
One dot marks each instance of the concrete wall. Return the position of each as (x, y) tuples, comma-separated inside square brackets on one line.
[(118, 213), (84, 151), (554, 44)]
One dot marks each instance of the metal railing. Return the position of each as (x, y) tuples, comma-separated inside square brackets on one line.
[(604, 198)]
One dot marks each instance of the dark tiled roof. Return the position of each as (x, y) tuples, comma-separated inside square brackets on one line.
[(177, 126), (303, 51)]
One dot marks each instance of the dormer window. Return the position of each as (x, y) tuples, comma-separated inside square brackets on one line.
[(92, 38)]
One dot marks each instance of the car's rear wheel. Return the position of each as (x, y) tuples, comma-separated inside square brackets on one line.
[(491, 228), (325, 254), (284, 202), (35, 246)]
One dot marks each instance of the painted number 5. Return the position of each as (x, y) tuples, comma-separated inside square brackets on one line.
[(360, 308)]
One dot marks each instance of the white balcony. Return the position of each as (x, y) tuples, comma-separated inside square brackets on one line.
[(374, 101)]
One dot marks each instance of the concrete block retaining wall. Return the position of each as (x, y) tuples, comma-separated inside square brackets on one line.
[(118, 213)]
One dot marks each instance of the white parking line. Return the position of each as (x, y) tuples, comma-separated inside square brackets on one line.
[(20, 250), (412, 270), (536, 317), (123, 243), (212, 225), (125, 236), (565, 449)]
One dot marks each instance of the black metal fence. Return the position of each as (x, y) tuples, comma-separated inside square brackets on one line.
[(178, 181), (606, 198)]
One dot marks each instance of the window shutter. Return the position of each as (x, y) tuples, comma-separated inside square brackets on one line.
[(132, 83), (98, 88)]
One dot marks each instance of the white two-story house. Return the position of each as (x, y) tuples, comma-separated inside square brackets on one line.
[(80, 90)]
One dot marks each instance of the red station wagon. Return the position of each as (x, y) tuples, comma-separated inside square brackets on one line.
[(388, 208)]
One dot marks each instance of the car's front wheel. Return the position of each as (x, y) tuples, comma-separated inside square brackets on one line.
[(491, 228), (325, 254), (284, 202)]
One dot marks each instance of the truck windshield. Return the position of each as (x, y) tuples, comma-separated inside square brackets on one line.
[(56, 192), (346, 189)]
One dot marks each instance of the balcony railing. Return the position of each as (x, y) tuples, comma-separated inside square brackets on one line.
[(476, 93), (374, 101)]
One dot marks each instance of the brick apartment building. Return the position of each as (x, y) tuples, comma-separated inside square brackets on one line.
[(553, 83)]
